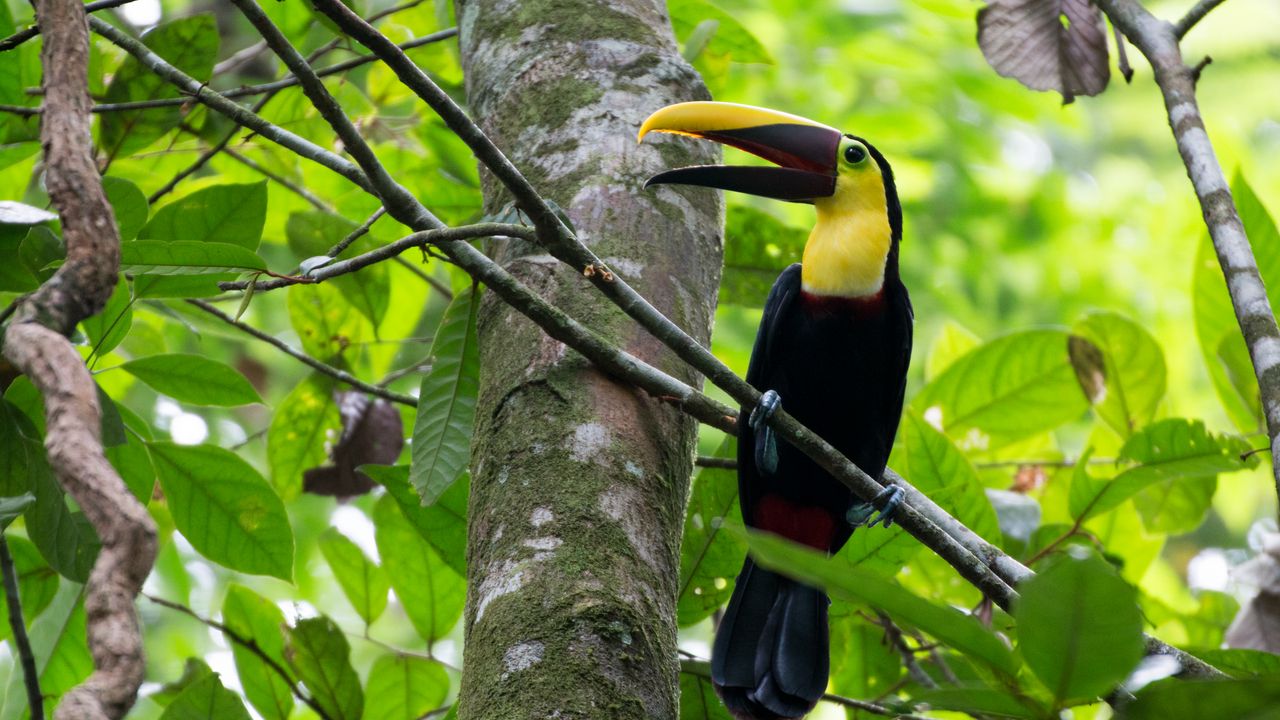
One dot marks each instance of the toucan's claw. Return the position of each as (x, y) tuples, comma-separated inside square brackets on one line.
[(887, 501), (766, 440)]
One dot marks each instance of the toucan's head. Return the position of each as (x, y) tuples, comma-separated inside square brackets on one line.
[(816, 163)]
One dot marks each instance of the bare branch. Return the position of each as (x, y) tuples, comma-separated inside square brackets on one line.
[(22, 36), (1193, 16), (320, 367), (26, 658)]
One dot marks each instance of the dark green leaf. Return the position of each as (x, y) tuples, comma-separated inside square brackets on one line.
[(185, 257), (40, 250), (710, 559), (66, 539), (402, 687), (206, 699), (432, 594), (37, 583), (15, 276), (299, 429), (193, 379), (231, 214), (129, 204), (979, 702), (1176, 699), (1010, 388), (225, 508), (698, 699), (862, 663), (14, 471), (318, 652), (190, 44), (255, 618), (11, 508), (110, 326), (447, 401), (1135, 370), (960, 631), (363, 582), (1079, 627), (313, 234), (58, 642), (443, 525), (1240, 662)]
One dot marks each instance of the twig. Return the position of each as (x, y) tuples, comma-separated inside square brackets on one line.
[(30, 678), (315, 201), (35, 343), (893, 634), (1158, 41), (1193, 16), (22, 36), (718, 463), (247, 643), (356, 234), (318, 366)]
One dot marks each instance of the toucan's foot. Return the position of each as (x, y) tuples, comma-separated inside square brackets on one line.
[(887, 501), (766, 440)]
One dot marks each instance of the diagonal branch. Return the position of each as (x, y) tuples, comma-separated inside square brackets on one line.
[(35, 343), (1193, 16), (22, 36), (1158, 41)]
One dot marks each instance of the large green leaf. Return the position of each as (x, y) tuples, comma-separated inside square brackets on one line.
[(231, 214), (757, 248), (327, 324), (206, 699), (1177, 505), (191, 45), (1079, 627), (1010, 388), (256, 619), (698, 699), (710, 557), (185, 257), (193, 379), (65, 538), (1220, 340), (443, 524), (730, 38), (952, 342), (1135, 370), (37, 583), (937, 467), (1173, 449), (1240, 662), (980, 702), (862, 663), (403, 687), (299, 429), (447, 401), (961, 632), (318, 652), (313, 234), (431, 593), (129, 205), (14, 467), (1177, 699), (362, 581), (58, 642), (109, 327), (225, 508)]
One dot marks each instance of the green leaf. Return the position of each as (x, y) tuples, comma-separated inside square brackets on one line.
[(710, 559), (1240, 662), (1079, 627), (40, 250), (731, 37), (1173, 449), (129, 204), (11, 508), (230, 214), (432, 594), (185, 257), (313, 234), (15, 276), (193, 379), (65, 538), (327, 324), (757, 248), (952, 342), (317, 650), (980, 702), (190, 44), (37, 583), (938, 468), (206, 699), (862, 663), (14, 467), (443, 525), (1177, 505), (1177, 699), (59, 644), (108, 328), (1010, 388), (447, 401), (363, 582), (1135, 370), (1214, 318), (299, 429), (962, 632), (257, 619), (193, 671), (402, 687), (131, 458), (698, 699), (225, 509)]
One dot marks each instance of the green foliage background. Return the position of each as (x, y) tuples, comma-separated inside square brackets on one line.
[(1028, 224)]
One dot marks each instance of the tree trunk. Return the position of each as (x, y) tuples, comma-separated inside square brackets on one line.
[(579, 482)]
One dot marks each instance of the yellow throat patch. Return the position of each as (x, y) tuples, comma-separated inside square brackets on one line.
[(846, 252)]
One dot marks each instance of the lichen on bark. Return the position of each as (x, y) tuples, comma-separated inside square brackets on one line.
[(579, 482)]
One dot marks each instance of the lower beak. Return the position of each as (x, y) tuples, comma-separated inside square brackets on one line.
[(804, 150)]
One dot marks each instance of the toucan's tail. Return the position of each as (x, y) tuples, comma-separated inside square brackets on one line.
[(771, 655)]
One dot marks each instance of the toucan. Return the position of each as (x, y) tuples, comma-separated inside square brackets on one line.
[(834, 344)]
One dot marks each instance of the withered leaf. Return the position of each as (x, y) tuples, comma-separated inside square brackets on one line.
[(372, 434), (1090, 366), (1058, 45)]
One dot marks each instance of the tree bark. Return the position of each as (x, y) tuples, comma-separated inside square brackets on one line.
[(579, 482)]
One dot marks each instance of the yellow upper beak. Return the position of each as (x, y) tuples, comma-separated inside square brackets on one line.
[(700, 118)]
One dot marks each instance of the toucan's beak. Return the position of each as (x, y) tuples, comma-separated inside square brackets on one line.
[(804, 150)]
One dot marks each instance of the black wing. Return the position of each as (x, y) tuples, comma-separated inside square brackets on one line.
[(764, 356)]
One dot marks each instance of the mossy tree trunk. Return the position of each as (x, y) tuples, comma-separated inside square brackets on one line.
[(579, 482)]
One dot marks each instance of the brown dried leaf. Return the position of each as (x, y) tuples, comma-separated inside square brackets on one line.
[(372, 433), (1090, 366), (1058, 45), (1257, 625)]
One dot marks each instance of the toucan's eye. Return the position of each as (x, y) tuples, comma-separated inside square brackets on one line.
[(855, 154)]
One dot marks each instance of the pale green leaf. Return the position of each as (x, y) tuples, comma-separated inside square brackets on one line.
[(362, 581), (318, 652), (256, 619), (206, 699), (185, 257), (403, 687), (193, 379), (443, 524), (431, 593)]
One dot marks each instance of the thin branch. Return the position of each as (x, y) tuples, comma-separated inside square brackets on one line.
[(702, 669), (22, 36), (717, 463), (356, 234), (248, 644), (1193, 16), (318, 366), (26, 658), (316, 201), (1158, 41), (893, 634)]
